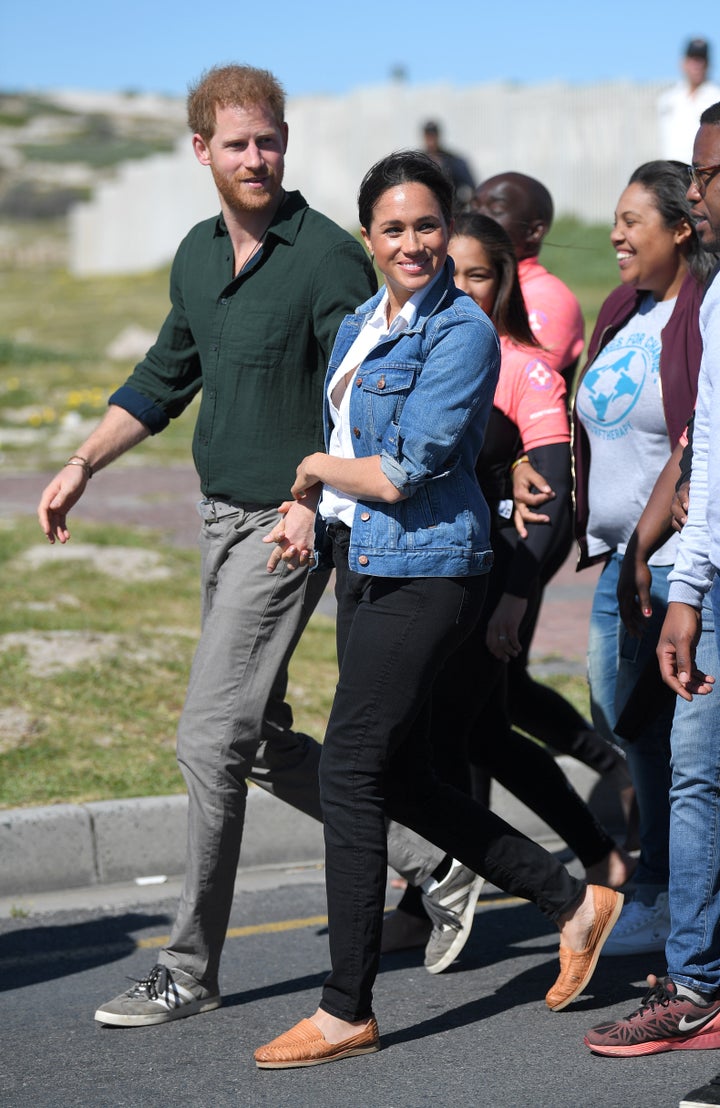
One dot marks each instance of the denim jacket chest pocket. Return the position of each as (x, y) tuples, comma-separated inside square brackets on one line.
[(383, 395)]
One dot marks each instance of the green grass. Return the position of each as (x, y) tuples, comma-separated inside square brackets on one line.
[(85, 149), (104, 727), (581, 255), (55, 369)]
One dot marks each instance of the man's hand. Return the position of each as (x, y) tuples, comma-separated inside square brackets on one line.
[(676, 652), (502, 638), (679, 506), (58, 498), (530, 490), (294, 536), (117, 432)]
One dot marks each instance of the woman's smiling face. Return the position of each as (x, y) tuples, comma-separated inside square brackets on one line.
[(649, 253), (409, 238), (474, 273)]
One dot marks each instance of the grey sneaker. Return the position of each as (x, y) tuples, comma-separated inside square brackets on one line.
[(641, 928), (451, 907), (161, 996)]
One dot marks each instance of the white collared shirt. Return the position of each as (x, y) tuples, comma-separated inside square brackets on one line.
[(335, 505)]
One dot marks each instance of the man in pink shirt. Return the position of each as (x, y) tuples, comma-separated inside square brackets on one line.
[(524, 208)]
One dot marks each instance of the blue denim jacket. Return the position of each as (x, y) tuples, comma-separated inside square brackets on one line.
[(421, 400)]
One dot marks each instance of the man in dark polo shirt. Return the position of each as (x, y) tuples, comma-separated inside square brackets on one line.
[(257, 296)]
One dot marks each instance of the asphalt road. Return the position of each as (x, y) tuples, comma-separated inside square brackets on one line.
[(478, 1035)]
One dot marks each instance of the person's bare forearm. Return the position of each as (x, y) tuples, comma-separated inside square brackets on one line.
[(360, 477), (117, 433)]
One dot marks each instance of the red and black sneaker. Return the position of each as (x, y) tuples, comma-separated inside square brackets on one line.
[(666, 1020)]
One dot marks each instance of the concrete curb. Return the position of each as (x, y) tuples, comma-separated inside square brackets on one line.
[(74, 846)]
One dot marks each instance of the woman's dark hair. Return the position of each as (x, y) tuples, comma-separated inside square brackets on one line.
[(509, 313), (667, 181), (398, 169)]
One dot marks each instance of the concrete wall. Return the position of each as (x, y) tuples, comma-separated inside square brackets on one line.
[(582, 142)]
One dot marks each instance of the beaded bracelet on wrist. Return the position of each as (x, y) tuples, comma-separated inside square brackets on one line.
[(78, 460)]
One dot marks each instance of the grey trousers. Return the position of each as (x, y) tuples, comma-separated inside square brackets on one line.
[(236, 726)]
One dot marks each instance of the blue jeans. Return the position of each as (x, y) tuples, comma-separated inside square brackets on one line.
[(615, 663), (693, 948)]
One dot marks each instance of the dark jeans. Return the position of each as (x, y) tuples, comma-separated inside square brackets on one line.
[(394, 636)]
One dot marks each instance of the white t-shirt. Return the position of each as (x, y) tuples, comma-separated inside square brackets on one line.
[(619, 403), (679, 113)]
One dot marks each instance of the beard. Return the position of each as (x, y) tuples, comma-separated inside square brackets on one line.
[(242, 199)]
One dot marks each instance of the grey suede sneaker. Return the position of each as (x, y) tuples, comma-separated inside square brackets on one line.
[(161, 996), (450, 904)]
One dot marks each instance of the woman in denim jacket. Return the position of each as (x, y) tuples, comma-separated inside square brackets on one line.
[(408, 394)]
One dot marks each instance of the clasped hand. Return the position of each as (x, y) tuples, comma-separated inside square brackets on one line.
[(294, 532)]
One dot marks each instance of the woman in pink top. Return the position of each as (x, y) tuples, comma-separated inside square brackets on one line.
[(529, 417)]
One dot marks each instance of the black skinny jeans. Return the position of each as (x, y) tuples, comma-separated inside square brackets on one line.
[(394, 636)]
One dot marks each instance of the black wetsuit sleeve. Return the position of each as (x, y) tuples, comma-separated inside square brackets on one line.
[(545, 541)]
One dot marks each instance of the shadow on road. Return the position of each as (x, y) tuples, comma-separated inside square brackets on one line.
[(32, 954)]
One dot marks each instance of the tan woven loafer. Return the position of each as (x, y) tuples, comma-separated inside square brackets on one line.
[(305, 1045), (576, 968)]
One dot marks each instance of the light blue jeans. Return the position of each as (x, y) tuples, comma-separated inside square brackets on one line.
[(615, 662), (693, 948)]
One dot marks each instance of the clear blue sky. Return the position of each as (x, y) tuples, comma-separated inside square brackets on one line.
[(333, 46)]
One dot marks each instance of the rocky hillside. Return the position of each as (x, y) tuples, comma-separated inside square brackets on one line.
[(55, 147)]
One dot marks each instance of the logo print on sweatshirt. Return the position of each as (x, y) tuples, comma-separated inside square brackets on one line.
[(611, 388)]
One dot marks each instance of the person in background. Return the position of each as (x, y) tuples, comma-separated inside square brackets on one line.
[(680, 107), (408, 393), (257, 296), (523, 206), (453, 165)]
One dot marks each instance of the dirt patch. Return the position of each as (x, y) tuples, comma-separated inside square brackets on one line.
[(52, 652), (16, 727), (126, 562)]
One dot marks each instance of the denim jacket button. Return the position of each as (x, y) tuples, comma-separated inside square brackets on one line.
[(356, 432), (381, 383), (364, 516), (363, 559), (358, 382)]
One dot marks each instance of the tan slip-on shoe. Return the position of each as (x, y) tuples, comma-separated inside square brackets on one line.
[(577, 967), (305, 1045)]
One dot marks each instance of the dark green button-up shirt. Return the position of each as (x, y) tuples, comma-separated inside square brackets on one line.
[(257, 345)]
